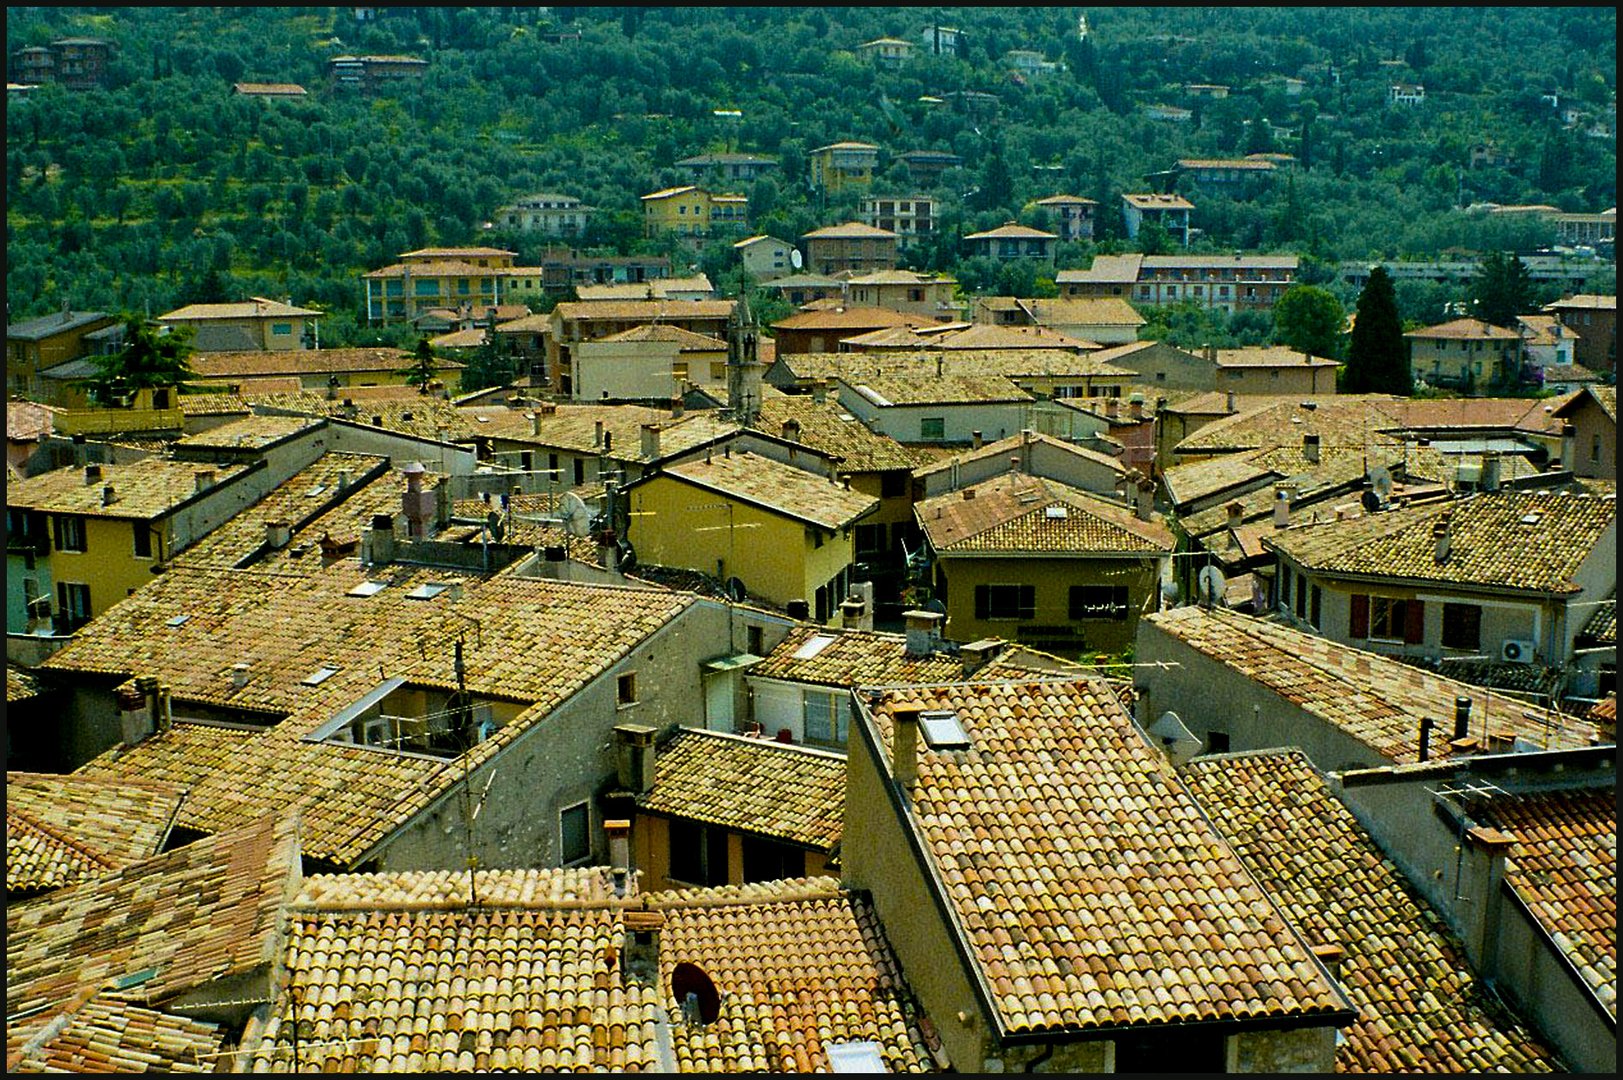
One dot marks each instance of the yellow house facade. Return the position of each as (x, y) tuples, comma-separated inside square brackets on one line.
[(842, 165), (786, 533), (692, 211), (256, 324), (445, 278)]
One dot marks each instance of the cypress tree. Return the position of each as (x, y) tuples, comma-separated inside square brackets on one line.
[(1378, 357)]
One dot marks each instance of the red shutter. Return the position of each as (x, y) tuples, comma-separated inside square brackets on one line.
[(1358, 624), (1414, 622)]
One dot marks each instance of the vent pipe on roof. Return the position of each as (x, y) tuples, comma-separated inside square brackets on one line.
[(904, 743), (92, 475), (1462, 717)]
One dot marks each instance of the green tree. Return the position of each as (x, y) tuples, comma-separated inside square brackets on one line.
[(1309, 319), (421, 370), (1378, 357), (1501, 290), (153, 357)]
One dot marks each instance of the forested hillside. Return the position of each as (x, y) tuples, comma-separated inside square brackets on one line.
[(168, 188)]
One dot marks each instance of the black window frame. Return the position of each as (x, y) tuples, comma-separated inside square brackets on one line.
[(142, 539), (585, 833), (1453, 614), (1081, 597), (67, 529), (1024, 604), (694, 850)]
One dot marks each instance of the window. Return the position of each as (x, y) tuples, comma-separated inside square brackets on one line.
[(1284, 599), (281, 329), (1098, 602), (575, 832), (870, 540), (143, 540), (894, 484), (70, 532), (1388, 618), (72, 605), (1217, 742), (679, 370), (625, 689), (755, 641), (767, 860), (1594, 449), (1316, 607), (933, 427), (698, 854), (824, 718), (1462, 626), (1005, 601), (1301, 596), (580, 471)]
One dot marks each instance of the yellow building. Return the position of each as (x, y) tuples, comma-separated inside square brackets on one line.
[(840, 165), (96, 533), (692, 211), (1465, 354), (787, 534), (35, 345), (1045, 564), (255, 324), (446, 278)]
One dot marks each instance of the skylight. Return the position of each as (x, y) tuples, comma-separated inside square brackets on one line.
[(1529, 519), (1056, 513), (178, 620), (368, 588), (942, 731), (816, 645), (317, 490), (855, 1057), (426, 591), (320, 675)]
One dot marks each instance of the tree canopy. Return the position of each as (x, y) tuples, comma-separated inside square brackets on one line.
[(1377, 354), (1502, 290), (154, 357), (1311, 320)]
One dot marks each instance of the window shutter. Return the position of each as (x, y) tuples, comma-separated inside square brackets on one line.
[(1358, 622), (1028, 601), (1414, 622), (982, 601)]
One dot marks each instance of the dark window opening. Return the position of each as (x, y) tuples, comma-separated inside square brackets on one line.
[(1462, 626), (1217, 742), (1098, 602), (575, 830), (698, 853), (1005, 601), (1187, 1052), (767, 860), (143, 541)]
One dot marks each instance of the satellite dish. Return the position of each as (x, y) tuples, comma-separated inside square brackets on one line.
[(691, 987), (1177, 740), (794, 258), (1209, 584), (574, 515), (735, 590), (1380, 484), (1169, 591)]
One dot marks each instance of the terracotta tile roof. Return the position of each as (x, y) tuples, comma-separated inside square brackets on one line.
[(109, 1035), (1601, 629), (144, 489), (642, 310), (1465, 330), (449, 888), (541, 642), (899, 277), (1012, 231), (402, 409), (210, 404), (828, 428), (257, 308), (775, 486), (986, 336), (851, 230), (790, 793), (224, 365), (1339, 420), (199, 913), (251, 431), (872, 658), (471, 338), (21, 685), (1528, 540), (1337, 470), (1029, 515), (430, 268), (1376, 700), (657, 289), (1100, 310), (817, 971), (1603, 714), (1273, 356), (1584, 301), (1004, 447), (1444, 413), (297, 502), (61, 830), (850, 318), (689, 341), (922, 358), (520, 527), (1225, 163), (1155, 201), (453, 252), (27, 421), (912, 388), (1564, 868), (1415, 992), (1083, 876)]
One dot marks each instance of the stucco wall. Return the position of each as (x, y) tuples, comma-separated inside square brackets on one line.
[(1051, 580)]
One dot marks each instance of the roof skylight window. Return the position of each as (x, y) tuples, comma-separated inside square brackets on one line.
[(320, 675), (369, 588), (855, 1057), (178, 620), (942, 731), (817, 644), (1056, 513), (426, 591)]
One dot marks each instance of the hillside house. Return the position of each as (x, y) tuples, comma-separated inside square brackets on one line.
[(1170, 211), (546, 213), (852, 246)]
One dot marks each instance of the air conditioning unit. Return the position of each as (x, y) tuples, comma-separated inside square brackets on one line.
[(1517, 652)]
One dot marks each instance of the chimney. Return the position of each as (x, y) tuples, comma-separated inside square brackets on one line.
[(969, 493), (922, 632), (1426, 724), (819, 391), (442, 503), (1211, 356), (977, 654), (618, 832), (851, 612), (976, 440), (904, 742), (609, 555), (203, 478), (239, 675), (1439, 535), (1112, 407), (345, 477), (1330, 955), (378, 545), (134, 718), (1236, 510), (1490, 470), (1462, 717), (1144, 499), (535, 422), (109, 496), (1282, 507), (791, 430), (597, 435), (650, 440), (642, 944), (677, 406), (416, 504), (1135, 405), (1229, 401), (1496, 846), (1310, 447), (277, 534), (634, 757), (938, 365), (92, 475)]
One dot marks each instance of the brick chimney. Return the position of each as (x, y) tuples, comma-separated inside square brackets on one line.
[(1135, 405), (634, 757), (416, 504), (904, 742), (977, 654)]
